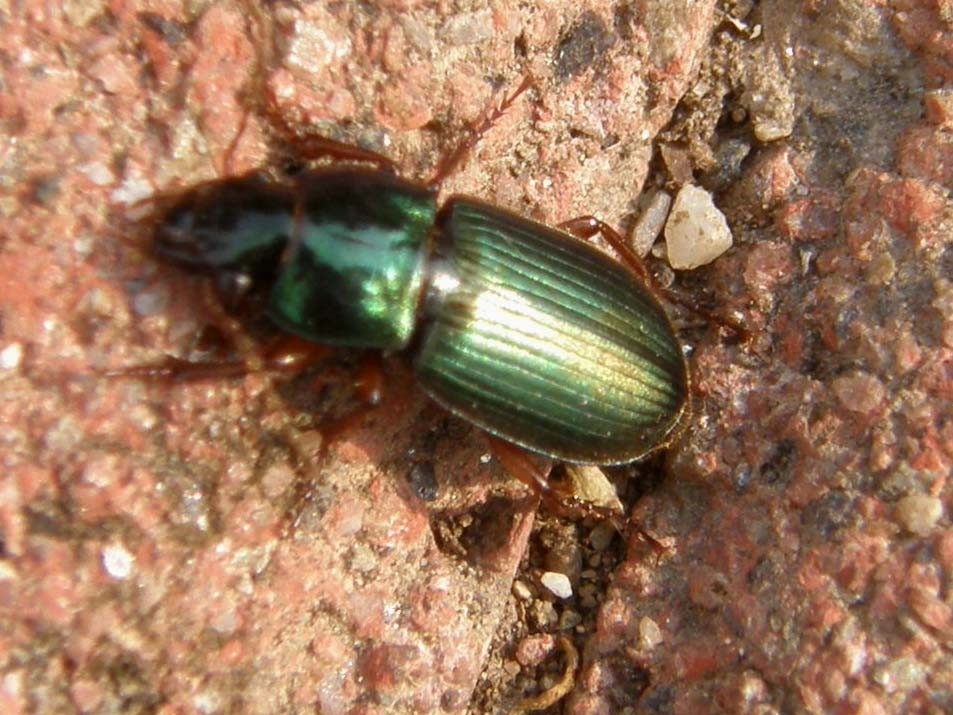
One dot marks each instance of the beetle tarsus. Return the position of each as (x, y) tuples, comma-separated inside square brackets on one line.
[(458, 155)]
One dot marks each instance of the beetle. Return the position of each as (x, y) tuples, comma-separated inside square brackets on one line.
[(527, 331)]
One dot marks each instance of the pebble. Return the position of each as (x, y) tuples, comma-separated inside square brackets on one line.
[(569, 619), (601, 535), (919, 513), (11, 356), (650, 222), (650, 635), (117, 561), (557, 583), (521, 591), (696, 232)]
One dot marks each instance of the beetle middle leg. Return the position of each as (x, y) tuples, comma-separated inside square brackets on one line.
[(368, 387), (523, 466)]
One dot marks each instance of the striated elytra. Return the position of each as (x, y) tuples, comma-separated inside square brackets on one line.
[(524, 330)]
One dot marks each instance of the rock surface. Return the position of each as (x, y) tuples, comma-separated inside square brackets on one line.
[(804, 518)]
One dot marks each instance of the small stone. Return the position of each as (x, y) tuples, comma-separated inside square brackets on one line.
[(543, 614), (696, 232), (533, 650), (557, 583), (276, 480), (900, 675), (11, 356), (469, 28), (569, 619), (919, 513), (650, 223), (117, 561), (150, 302), (601, 536), (591, 485), (98, 173), (861, 392), (363, 558), (521, 591), (769, 130), (650, 635)]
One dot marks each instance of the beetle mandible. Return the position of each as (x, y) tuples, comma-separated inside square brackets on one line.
[(527, 331)]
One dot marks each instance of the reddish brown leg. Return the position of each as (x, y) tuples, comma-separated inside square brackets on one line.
[(284, 354), (456, 156), (308, 145), (227, 168), (521, 465), (587, 227), (311, 147), (368, 387)]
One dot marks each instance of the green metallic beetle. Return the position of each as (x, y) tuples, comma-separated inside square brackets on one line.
[(527, 331)]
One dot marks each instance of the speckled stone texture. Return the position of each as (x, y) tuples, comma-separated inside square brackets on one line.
[(808, 512), (146, 564)]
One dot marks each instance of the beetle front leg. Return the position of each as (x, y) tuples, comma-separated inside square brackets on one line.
[(283, 354), (306, 144)]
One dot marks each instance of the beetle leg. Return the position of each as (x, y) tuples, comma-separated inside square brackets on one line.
[(312, 147), (306, 143), (520, 464), (368, 387), (283, 354), (458, 155), (587, 227)]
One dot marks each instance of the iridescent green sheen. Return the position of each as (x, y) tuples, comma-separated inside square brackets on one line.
[(355, 264), (546, 341)]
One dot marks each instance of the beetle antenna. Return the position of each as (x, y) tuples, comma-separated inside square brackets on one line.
[(458, 155)]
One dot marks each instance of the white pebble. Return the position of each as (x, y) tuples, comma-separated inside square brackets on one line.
[(557, 583), (696, 232), (11, 356), (98, 173), (117, 561)]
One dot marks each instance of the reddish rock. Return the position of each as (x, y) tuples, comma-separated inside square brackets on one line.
[(533, 650), (147, 556)]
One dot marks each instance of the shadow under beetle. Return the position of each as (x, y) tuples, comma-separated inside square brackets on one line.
[(527, 331)]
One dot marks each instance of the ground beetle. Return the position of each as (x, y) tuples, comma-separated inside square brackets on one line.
[(527, 331)]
